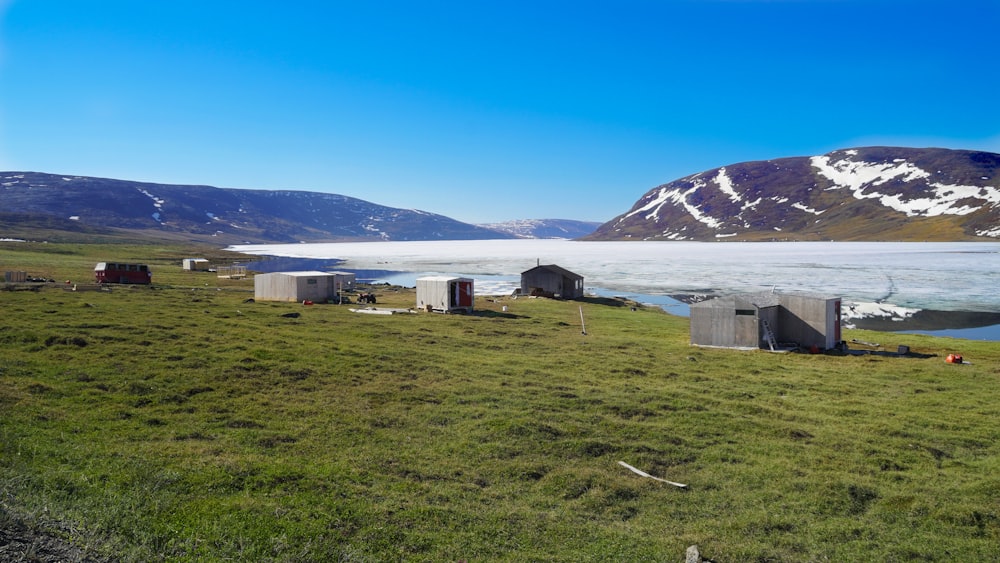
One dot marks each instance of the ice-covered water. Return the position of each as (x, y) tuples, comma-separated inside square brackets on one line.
[(940, 276)]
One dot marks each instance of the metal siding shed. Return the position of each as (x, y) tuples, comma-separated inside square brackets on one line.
[(445, 294), (725, 322), (195, 264), (295, 286), (737, 321)]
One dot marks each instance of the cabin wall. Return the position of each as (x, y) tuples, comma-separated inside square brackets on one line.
[(432, 294), (809, 321), (572, 288), (551, 283), (772, 316), (738, 321), (542, 281), (272, 287), (314, 288), (343, 281), (283, 287), (445, 295), (713, 326)]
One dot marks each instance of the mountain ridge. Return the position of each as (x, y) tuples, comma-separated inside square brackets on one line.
[(544, 228), (866, 193), (220, 215)]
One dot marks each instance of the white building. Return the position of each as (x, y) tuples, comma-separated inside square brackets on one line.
[(319, 287), (445, 294), (195, 264)]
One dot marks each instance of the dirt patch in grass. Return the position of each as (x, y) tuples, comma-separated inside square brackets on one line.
[(19, 542)]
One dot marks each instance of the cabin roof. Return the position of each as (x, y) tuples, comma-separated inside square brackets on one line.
[(555, 269), (759, 299), (305, 274), (443, 278)]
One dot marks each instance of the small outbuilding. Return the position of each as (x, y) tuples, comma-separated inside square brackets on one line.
[(117, 272), (345, 281), (551, 281), (445, 294), (234, 272), (320, 287), (767, 320), (195, 264)]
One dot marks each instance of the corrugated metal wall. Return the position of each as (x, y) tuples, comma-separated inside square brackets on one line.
[(437, 294), (736, 321), (280, 286)]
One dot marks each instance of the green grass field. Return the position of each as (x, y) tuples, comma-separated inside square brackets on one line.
[(180, 422)]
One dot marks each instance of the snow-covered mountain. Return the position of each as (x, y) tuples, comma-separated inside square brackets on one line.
[(215, 214), (544, 228), (871, 193)]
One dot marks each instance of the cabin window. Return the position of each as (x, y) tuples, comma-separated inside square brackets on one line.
[(311, 281), (745, 312)]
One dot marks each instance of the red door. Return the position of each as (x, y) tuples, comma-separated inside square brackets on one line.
[(465, 294)]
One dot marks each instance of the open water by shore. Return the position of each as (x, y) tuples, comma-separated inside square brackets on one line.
[(944, 289)]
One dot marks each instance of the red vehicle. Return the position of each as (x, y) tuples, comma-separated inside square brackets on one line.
[(108, 272)]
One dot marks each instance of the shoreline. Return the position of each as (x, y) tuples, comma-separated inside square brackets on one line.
[(881, 317)]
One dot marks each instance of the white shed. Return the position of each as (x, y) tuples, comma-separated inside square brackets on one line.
[(195, 264), (445, 294), (314, 286)]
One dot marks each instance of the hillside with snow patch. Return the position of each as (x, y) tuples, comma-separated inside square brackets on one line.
[(871, 193), (544, 228)]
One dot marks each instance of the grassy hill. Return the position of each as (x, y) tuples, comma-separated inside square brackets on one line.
[(180, 422)]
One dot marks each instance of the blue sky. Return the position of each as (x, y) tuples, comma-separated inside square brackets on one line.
[(483, 111)]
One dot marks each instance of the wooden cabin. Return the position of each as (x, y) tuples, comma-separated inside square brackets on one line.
[(551, 281)]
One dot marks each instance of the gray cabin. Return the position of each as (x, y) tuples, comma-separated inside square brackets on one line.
[(767, 320), (551, 281)]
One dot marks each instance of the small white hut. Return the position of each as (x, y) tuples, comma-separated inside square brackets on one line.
[(319, 287), (195, 264), (445, 294)]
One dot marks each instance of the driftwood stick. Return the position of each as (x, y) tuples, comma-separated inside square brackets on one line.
[(644, 474)]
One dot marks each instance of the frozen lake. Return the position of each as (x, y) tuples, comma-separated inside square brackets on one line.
[(903, 277)]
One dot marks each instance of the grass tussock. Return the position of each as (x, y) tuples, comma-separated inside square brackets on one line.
[(182, 423)]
